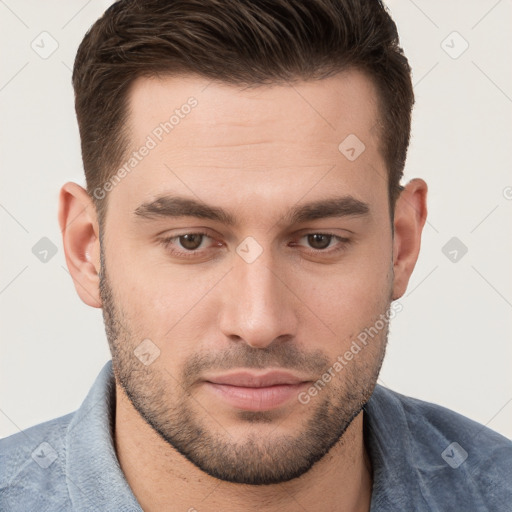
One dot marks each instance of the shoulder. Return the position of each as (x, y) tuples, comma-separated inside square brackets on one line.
[(33, 467), (441, 422), (451, 457)]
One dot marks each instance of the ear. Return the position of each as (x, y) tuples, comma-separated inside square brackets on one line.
[(410, 217), (80, 236)]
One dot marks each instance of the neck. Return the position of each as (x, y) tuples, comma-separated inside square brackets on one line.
[(162, 479)]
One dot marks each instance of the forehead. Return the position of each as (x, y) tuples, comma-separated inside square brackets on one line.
[(268, 141), (335, 105)]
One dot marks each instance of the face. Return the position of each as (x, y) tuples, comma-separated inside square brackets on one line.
[(242, 255)]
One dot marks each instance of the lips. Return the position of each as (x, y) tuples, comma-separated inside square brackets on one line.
[(251, 380), (256, 392)]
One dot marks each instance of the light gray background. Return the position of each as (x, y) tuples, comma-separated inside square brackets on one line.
[(449, 345)]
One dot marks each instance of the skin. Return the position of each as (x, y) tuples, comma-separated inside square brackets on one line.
[(257, 153)]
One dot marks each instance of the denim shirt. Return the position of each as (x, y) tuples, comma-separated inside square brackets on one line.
[(424, 458)]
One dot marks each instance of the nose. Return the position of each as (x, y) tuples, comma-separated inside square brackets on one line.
[(258, 306)]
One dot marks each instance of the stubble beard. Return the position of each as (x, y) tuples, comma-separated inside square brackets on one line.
[(167, 405)]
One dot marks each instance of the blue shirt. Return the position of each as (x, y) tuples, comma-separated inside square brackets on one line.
[(424, 458)]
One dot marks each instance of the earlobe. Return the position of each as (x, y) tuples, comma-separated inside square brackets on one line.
[(80, 236), (410, 217)]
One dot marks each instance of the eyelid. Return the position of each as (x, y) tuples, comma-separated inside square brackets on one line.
[(166, 241), (172, 237), (342, 243)]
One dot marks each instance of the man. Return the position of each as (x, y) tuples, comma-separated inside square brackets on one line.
[(245, 232)]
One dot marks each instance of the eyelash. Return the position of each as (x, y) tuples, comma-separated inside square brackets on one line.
[(166, 242)]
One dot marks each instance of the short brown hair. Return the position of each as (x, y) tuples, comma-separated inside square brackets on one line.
[(239, 42)]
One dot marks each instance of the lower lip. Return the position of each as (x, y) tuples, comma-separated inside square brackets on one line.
[(256, 399)]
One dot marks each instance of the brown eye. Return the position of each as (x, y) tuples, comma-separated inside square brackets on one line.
[(319, 241), (191, 241), (189, 245)]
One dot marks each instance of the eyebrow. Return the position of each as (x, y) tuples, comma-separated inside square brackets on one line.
[(170, 206)]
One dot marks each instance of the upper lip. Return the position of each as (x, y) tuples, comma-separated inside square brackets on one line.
[(254, 380)]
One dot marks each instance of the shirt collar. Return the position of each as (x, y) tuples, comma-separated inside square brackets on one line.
[(398, 467), (94, 478)]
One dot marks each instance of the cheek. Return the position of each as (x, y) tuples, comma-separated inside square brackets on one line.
[(172, 306), (349, 298)]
